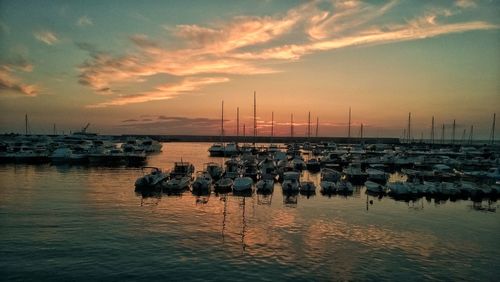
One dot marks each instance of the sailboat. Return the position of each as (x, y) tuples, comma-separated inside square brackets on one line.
[(217, 149)]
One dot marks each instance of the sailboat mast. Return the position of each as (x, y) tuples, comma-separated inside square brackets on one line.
[(54, 129), (453, 132), (493, 129), (317, 126), (470, 133), (309, 125), (254, 117), (442, 135), (272, 125), (291, 125), (409, 127), (361, 131), (432, 131), (349, 128), (237, 121), (222, 123)]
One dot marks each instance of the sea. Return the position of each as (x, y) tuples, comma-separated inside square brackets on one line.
[(83, 223)]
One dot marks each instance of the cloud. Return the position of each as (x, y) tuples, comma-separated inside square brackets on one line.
[(251, 45), (8, 81), (84, 21), (466, 3), (47, 37), (175, 125), (163, 92)]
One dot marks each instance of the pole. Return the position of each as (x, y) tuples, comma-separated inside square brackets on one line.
[(254, 116), (493, 129), (349, 128)]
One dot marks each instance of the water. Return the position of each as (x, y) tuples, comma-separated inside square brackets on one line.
[(85, 223)]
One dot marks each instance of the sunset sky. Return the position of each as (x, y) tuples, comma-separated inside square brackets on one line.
[(163, 67)]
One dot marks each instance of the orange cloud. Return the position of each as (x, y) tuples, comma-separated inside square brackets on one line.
[(163, 92)]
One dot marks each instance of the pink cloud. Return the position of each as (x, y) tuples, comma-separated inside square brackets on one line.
[(47, 37)]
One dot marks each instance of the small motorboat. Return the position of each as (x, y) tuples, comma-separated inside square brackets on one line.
[(177, 184), (344, 187), (223, 185), (203, 181), (156, 178), (242, 184), (307, 187), (265, 184), (291, 182), (374, 187)]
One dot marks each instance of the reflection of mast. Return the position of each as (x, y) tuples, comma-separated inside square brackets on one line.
[(244, 225), (224, 213)]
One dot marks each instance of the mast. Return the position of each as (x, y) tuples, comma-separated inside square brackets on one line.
[(222, 124), (272, 126), (409, 127), (349, 128), (462, 141), (291, 125), (361, 131), (492, 137), (442, 135), (317, 126), (453, 132), (432, 131), (309, 125), (471, 132), (244, 130), (237, 121), (254, 117)]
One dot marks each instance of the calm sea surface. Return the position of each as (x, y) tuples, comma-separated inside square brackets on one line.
[(87, 223)]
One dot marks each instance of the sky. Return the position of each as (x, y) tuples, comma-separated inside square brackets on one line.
[(164, 67)]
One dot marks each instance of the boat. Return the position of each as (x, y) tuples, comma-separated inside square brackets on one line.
[(329, 178), (61, 155), (156, 178), (216, 150), (232, 168), (344, 187), (307, 187), (298, 163), (214, 169), (231, 149), (223, 185), (354, 173), (291, 182), (202, 182), (398, 189), (177, 184), (268, 166), (266, 184), (374, 187), (182, 169), (313, 165), (376, 175), (242, 184)]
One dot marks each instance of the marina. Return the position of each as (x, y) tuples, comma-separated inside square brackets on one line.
[(424, 236)]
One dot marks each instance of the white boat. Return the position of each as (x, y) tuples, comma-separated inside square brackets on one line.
[(156, 178), (373, 187), (242, 184), (61, 155), (203, 181), (150, 146), (265, 184), (291, 182)]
